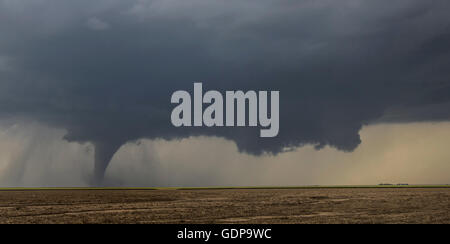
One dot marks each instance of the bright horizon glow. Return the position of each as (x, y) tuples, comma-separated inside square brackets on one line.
[(415, 153)]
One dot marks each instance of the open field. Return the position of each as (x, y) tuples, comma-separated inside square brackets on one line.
[(364, 204)]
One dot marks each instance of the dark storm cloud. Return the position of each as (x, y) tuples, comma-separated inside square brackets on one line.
[(105, 70)]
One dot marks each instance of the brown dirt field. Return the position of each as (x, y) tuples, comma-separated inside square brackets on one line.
[(260, 206)]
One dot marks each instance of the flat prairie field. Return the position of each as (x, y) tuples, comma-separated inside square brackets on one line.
[(233, 206)]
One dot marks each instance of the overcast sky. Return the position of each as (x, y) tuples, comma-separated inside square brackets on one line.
[(82, 80)]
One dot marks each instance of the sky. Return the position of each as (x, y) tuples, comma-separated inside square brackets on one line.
[(85, 91)]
